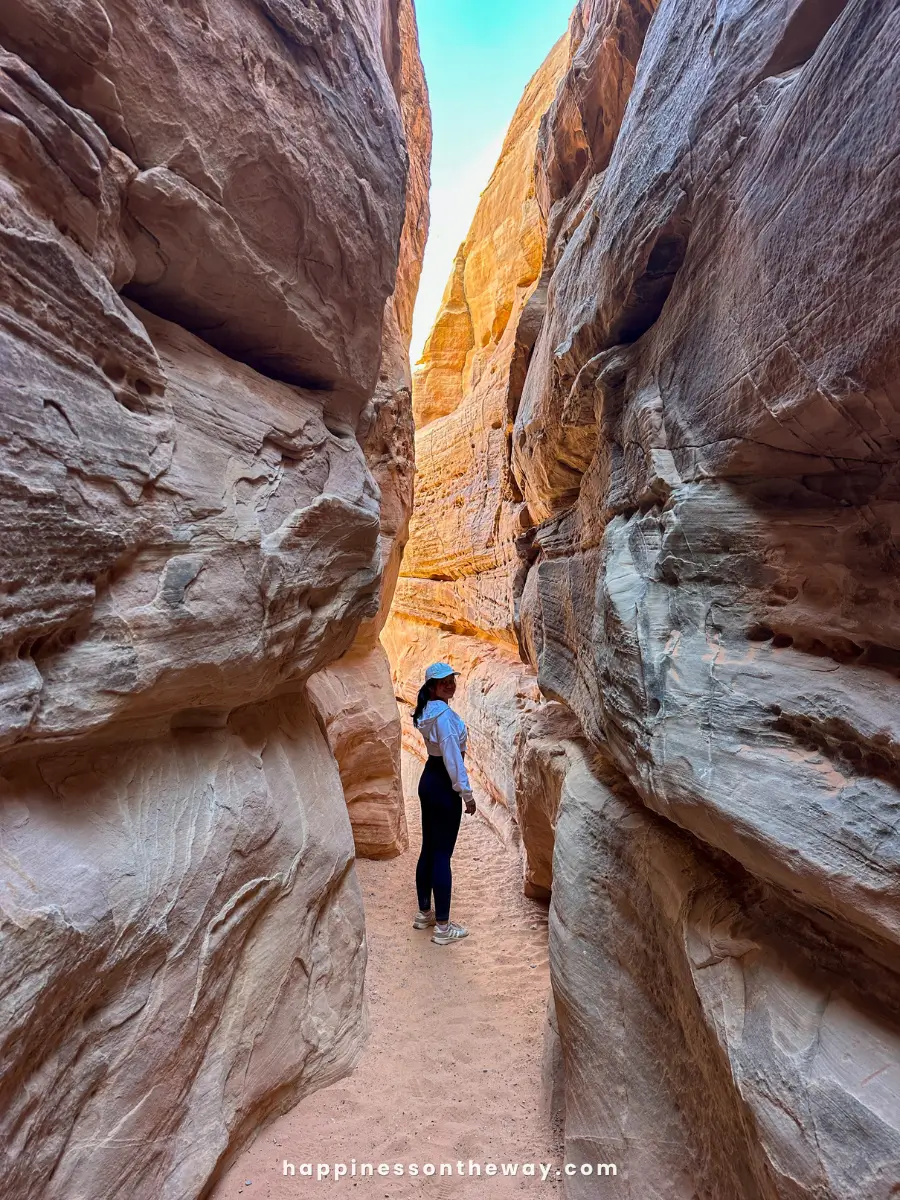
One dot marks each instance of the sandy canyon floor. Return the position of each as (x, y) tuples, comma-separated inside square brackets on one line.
[(452, 1067)]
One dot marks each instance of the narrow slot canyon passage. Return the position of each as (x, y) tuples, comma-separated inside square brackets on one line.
[(538, 357), (452, 1067)]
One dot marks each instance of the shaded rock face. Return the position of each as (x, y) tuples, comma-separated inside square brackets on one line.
[(265, 216), (717, 606), (355, 696), (705, 441), (190, 532), (183, 951), (716, 1040)]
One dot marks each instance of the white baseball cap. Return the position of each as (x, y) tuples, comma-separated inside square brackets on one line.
[(439, 671)]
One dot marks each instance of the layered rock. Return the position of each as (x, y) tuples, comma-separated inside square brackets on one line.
[(703, 393), (265, 217), (454, 595), (716, 1041), (355, 696), (716, 605), (190, 531)]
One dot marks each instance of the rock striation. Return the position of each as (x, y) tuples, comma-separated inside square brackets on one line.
[(200, 214), (704, 448), (454, 594)]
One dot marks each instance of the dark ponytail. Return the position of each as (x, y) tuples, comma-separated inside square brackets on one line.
[(426, 693)]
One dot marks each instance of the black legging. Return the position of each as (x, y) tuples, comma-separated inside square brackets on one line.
[(441, 815)]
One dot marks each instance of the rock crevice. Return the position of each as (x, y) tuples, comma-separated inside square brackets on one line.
[(673, 598)]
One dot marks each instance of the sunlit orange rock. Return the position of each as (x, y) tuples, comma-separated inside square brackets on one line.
[(496, 267), (688, 534), (454, 598)]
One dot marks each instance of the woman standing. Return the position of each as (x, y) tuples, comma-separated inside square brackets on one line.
[(443, 789)]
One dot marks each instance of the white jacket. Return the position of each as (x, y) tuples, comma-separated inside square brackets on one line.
[(445, 735)]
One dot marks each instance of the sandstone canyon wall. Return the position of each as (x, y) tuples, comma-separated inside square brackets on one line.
[(200, 213), (453, 598), (355, 696), (704, 435)]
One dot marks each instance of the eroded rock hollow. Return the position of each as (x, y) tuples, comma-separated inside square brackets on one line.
[(658, 433), (212, 219)]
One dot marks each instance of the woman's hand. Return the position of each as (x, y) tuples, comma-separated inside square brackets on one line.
[(470, 806)]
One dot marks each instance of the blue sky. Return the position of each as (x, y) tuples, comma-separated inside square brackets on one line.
[(478, 56)]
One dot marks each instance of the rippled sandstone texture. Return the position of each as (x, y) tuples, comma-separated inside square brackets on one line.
[(705, 442), (200, 214)]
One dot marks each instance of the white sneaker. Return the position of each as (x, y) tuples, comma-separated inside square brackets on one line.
[(423, 920), (453, 932)]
